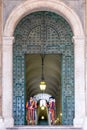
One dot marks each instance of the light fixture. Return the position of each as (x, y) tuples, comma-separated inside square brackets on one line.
[(42, 83), (43, 40), (42, 107), (42, 117), (60, 114)]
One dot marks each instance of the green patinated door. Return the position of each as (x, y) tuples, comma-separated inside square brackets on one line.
[(57, 36)]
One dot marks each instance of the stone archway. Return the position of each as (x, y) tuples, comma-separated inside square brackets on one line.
[(51, 31), (79, 49)]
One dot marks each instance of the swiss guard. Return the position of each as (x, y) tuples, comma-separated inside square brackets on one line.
[(52, 110), (30, 115)]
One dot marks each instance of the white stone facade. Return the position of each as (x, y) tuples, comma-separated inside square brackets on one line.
[(61, 8)]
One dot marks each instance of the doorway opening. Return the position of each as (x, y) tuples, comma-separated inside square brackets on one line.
[(34, 32), (52, 75)]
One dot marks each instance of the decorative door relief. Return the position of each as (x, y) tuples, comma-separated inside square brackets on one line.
[(68, 88), (18, 90), (53, 33)]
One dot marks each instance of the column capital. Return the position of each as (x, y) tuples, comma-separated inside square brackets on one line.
[(8, 40), (78, 39)]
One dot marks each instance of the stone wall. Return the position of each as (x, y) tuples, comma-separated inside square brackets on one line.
[(0, 55), (86, 46), (76, 5), (86, 20)]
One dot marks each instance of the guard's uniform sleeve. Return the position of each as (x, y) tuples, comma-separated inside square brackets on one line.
[(26, 105)]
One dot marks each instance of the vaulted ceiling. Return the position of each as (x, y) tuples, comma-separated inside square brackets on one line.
[(52, 74)]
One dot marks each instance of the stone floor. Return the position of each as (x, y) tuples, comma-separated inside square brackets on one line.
[(44, 128)]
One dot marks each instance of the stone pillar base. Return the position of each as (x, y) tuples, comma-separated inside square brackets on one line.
[(78, 122), (9, 122), (85, 124), (2, 127)]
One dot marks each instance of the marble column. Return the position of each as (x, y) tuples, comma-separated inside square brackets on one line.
[(0, 56), (85, 29), (1, 28), (7, 81), (86, 47), (79, 56)]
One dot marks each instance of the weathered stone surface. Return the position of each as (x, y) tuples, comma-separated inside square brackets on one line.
[(1, 24), (76, 5)]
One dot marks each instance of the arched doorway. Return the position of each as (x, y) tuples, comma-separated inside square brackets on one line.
[(75, 23), (51, 31)]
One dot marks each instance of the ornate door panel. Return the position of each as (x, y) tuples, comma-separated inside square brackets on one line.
[(51, 31)]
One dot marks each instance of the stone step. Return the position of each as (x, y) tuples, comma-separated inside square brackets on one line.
[(44, 128)]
